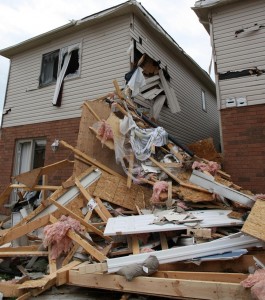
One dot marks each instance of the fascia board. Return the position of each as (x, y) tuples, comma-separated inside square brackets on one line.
[(71, 194), (143, 223), (206, 181), (233, 242)]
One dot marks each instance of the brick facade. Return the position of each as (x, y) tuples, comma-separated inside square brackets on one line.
[(66, 130), (244, 146)]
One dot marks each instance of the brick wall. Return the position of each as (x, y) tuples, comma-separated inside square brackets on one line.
[(66, 130), (244, 146)]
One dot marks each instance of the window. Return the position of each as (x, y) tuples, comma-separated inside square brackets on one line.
[(64, 63), (203, 101), (30, 154)]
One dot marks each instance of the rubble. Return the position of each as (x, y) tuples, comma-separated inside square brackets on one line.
[(135, 193)]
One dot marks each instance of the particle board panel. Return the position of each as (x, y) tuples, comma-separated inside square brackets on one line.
[(89, 144), (115, 190), (255, 223)]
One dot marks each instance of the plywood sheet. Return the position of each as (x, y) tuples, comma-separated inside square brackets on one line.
[(255, 223), (115, 190), (89, 144)]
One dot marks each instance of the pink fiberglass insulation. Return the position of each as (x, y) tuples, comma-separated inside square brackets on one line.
[(55, 235), (159, 186), (105, 131), (256, 282), (212, 167), (259, 197)]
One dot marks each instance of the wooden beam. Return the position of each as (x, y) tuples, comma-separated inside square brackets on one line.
[(70, 254), (75, 237), (92, 111), (93, 268), (164, 287), (16, 232), (23, 253), (202, 276), (90, 159), (129, 178), (52, 262), (10, 289), (35, 187)]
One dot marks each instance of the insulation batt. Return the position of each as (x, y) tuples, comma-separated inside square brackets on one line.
[(212, 167), (159, 186), (259, 197), (256, 282), (105, 131), (55, 235)]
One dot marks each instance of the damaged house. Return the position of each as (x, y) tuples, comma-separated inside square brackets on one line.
[(237, 31), (52, 74)]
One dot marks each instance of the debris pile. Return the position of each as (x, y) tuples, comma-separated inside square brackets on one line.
[(138, 204)]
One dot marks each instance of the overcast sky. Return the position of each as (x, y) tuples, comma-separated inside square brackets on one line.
[(23, 19)]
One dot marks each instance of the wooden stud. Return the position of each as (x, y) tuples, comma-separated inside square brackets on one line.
[(135, 245), (129, 178), (163, 239), (52, 262)]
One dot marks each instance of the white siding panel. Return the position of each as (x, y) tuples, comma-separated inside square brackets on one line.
[(239, 53), (104, 59), (191, 123)]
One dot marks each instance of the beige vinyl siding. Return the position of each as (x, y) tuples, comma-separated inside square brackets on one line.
[(103, 59), (192, 123), (239, 53)]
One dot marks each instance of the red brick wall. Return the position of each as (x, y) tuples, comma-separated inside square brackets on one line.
[(244, 146), (66, 130)]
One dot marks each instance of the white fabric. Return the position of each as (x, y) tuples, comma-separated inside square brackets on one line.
[(137, 81), (142, 140)]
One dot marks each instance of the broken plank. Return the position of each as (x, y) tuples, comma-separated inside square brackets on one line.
[(35, 187), (129, 178), (16, 232), (23, 253), (10, 289), (52, 262), (165, 287), (90, 159), (70, 254)]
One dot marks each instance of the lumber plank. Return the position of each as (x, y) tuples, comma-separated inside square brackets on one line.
[(135, 244), (103, 209), (202, 276), (70, 254), (129, 178), (24, 296), (35, 187), (91, 160), (93, 268), (18, 231), (23, 253), (165, 287), (52, 262), (10, 289), (77, 238)]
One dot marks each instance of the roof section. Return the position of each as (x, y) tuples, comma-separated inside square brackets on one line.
[(131, 6), (203, 7)]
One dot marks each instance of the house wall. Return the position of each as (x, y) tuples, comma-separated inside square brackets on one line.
[(241, 52), (103, 59), (67, 130), (192, 123), (244, 145), (243, 129)]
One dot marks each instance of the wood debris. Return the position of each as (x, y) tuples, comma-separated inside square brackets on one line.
[(110, 185)]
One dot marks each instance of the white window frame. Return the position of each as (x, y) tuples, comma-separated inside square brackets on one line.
[(62, 69)]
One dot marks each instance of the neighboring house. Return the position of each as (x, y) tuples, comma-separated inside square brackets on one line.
[(237, 30), (52, 74)]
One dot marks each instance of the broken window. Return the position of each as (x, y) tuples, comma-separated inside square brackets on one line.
[(60, 64), (49, 68), (30, 154), (203, 99)]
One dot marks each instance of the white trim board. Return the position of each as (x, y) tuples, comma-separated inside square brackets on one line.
[(219, 246), (143, 223), (207, 181), (71, 194)]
